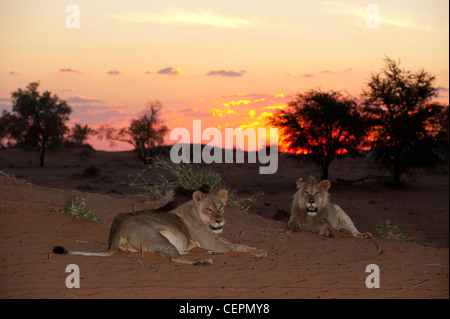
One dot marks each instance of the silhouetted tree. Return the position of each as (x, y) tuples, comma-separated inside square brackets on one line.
[(325, 124), (144, 133), (79, 134), (408, 127), (5, 131), (37, 120)]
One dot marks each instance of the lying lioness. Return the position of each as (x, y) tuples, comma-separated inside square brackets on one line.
[(311, 211), (171, 234)]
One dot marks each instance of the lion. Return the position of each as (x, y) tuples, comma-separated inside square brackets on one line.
[(311, 211), (195, 223)]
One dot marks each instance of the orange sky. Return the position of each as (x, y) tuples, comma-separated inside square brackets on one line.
[(229, 63)]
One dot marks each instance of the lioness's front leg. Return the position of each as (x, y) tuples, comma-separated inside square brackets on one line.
[(224, 246)]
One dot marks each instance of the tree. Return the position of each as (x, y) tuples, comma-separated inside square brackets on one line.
[(38, 120), (79, 134), (323, 125), (144, 133), (407, 126), (5, 135)]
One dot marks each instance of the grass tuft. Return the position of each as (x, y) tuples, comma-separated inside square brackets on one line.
[(187, 180), (77, 208), (390, 230)]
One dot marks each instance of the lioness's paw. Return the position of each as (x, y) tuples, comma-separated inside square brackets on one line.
[(203, 262), (260, 253), (364, 235), (293, 227)]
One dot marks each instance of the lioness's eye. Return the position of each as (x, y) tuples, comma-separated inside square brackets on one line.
[(220, 207), (318, 192), (305, 192), (208, 209)]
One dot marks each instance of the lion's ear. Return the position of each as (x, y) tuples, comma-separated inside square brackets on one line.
[(325, 185), (198, 197), (223, 195), (300, 182)]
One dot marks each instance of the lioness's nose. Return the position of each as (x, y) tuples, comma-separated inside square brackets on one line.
[(218, 221)]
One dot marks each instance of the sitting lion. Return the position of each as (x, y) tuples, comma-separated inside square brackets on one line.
[(171, 234), (311, 211)]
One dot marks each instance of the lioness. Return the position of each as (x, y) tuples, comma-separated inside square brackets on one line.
[(311, 211), (171, 234)]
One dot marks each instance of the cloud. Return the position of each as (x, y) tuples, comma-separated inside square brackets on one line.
[(170, 70), (101, 114), (323, 72), (226, 73), (358, 14), (69, 70), (82, 100), (177, 16), (14, 73), (187, 112), (114, 72)]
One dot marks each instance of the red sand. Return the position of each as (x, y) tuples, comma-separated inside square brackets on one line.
[(299, 265)]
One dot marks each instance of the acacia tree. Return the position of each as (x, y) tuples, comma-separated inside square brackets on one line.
[(144, 133), (5, 134), (325, 124), (409, 129), (37, 120), (79, 134)]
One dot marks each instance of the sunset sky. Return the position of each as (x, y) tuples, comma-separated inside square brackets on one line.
[(229, 63)]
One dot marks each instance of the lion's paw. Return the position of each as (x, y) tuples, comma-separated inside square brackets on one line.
[(260, 253), (364, 235), (203, 262)]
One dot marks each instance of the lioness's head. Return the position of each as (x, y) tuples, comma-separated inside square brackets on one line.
[(209, 209), (312, 195)]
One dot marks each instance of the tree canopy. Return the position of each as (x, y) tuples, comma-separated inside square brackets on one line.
[(323, 124), (37, 120)]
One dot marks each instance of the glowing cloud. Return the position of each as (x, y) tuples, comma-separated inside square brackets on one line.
[(226, 73), (82, 100), (114, 72), (69, 70), (356, 14), (171, 71), (176, 16)]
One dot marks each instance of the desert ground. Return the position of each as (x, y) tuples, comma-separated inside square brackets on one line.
[(299, 265)]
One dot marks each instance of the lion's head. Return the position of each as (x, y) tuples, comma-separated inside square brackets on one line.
[(312, 195), (209, 209)]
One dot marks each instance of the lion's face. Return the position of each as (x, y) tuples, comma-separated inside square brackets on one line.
[(312, 195), (210, 209)]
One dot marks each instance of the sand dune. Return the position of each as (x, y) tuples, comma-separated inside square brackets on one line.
[(299, 265)]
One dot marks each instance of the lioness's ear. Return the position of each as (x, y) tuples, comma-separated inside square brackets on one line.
[(198, 196), (300, 182), (223, 195), (325, 185)]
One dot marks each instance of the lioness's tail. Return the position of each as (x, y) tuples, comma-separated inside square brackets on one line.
[(63, 251)]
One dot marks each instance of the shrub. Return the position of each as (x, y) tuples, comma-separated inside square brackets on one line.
[(390, 230), (77, 208)]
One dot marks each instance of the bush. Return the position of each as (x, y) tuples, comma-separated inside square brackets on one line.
[(187, 181), (390, 230), (78, 209)]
